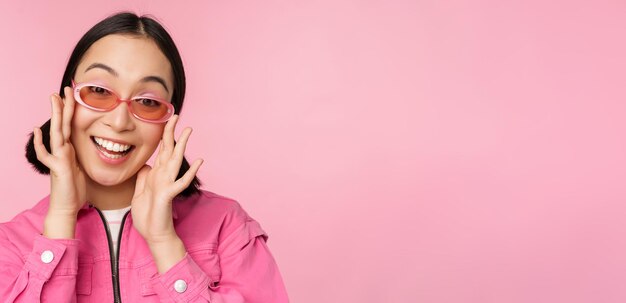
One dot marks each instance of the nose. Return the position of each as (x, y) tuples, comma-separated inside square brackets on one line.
[(120, 119)]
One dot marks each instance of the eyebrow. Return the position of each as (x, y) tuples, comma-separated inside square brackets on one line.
[(111, 71)]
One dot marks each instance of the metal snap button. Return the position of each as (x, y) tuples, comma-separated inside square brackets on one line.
[(180, 286), (47, 256)]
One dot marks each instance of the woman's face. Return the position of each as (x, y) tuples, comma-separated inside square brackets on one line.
[(130, 66)]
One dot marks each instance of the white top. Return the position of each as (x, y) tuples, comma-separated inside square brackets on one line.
[(113, 219)]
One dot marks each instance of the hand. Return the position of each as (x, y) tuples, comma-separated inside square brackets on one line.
[(157, 186), (67, 180)]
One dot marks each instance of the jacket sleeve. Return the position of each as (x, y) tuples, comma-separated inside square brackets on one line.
[(46, 274), (249, 273)]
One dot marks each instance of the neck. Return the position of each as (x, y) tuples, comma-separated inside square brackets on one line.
[(106, 197)]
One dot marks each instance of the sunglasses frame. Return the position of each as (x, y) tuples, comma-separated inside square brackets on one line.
[(76, 87)]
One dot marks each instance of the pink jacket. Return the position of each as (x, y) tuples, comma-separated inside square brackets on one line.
[(227, 259)]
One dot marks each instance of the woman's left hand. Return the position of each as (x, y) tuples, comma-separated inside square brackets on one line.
[(157, 186)]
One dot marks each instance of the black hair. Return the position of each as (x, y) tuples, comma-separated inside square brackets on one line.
[(129, 24)]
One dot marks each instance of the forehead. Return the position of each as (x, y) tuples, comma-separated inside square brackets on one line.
[(132, 57)]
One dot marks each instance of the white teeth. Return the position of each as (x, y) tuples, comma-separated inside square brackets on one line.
[(111, 146)]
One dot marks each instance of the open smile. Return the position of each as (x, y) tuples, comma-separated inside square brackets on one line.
[(110, 151)]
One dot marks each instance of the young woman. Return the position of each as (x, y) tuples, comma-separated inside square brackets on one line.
[(114, 229)]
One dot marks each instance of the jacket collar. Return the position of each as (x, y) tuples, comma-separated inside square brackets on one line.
[(174, 212)]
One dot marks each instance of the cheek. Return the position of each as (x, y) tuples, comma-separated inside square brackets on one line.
[(81, 120), (152, 135)]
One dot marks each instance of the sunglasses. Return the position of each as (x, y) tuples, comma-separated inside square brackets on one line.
[(102, 99)]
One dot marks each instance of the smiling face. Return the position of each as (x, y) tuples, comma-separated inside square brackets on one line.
[(112, 146)]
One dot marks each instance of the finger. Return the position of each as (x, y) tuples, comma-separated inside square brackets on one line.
[(40, 150), (168, 134), (55, 122), (181, 145), (186, 179), (141, 179), (160, 157), (68, 112)]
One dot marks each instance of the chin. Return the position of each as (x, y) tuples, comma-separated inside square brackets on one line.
[(106, 182), (109, 179)]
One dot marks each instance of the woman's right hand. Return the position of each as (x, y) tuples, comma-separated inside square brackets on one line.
[(67, 179)]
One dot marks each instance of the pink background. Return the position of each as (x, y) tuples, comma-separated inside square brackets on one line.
[(395, 151)]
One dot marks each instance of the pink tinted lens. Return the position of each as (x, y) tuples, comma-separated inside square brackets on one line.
[(150, 109), (98, 97)]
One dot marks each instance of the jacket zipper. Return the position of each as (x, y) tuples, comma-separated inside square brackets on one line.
[(114, 255)]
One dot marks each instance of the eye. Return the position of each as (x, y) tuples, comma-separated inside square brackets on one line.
[(98, 90), (148, 102)]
